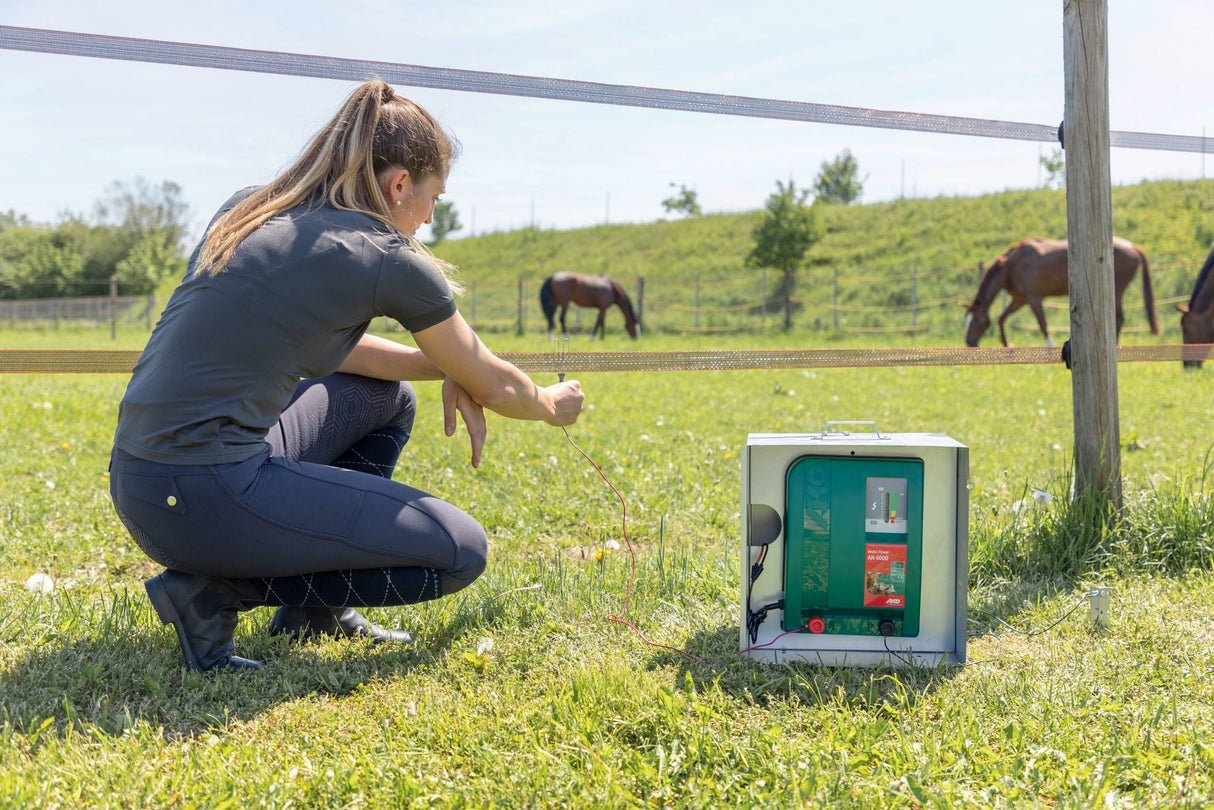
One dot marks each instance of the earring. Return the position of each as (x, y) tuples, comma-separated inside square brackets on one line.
[(398, 203)]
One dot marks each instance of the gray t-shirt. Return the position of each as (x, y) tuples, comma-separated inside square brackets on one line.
[(229, 349)]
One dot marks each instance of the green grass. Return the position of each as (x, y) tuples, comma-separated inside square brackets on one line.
[(569, 709)]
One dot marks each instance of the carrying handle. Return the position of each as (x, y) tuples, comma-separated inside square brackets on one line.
[(827, 434)]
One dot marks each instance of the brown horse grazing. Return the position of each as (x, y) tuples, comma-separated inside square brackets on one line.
[(1197, 317), (594, 292), (1033, 269)]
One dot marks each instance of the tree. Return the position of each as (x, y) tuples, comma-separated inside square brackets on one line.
[(684, 202), (1055, 167), (37, 263), (839, 181), (787, 230), (149, 261), (139, 209), (444, 221)]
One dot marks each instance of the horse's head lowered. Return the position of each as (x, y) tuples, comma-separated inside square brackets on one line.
[(977, 318), (1196, 327), (977, 321)]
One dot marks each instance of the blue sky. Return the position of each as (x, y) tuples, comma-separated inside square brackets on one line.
[(74, 125)]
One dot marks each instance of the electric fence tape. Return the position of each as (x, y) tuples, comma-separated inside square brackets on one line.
[(66, 361), (324, 67)]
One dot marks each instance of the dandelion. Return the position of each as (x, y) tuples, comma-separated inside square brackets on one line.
[(50, 484), (40, 584)]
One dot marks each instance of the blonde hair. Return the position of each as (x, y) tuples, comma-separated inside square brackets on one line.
[(374, 130)]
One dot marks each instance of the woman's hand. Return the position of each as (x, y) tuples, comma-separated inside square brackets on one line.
[(567, 400), (457, 400)]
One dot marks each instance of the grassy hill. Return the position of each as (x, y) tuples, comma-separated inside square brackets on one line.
[(897, 264)]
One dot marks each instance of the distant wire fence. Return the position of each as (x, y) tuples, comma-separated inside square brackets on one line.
[(110, 310), (822, 299)]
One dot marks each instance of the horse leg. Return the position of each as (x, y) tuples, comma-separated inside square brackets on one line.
[(1120, 317), (564, 329), (1012, 307), (1040, 313), (600, 325)]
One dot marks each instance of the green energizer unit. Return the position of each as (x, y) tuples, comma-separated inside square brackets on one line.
[(854, 546)]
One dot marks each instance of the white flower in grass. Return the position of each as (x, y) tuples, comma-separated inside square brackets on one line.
[(50, 484), (484, 646), (1041, 496), (40, 583), (612, 545)]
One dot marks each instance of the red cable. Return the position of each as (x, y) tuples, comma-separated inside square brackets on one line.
[(618, 618)]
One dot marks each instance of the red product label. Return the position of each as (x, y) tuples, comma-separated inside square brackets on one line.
[(884, 575)]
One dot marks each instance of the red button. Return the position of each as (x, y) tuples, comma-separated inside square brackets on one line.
[(816, 625)]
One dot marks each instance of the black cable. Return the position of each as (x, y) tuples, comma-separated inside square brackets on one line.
[(754, 619), (1026, 633)]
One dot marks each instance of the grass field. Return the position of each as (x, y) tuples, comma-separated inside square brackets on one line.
[(519, 692)]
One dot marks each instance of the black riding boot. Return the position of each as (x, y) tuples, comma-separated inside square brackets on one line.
[(308, 622), (203, 612)]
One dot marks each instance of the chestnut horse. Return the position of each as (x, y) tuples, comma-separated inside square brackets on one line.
[(1033, 269), (1197, 317), (594, 292)]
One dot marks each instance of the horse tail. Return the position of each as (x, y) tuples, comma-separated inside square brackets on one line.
[(548, 301), (1148, 292)]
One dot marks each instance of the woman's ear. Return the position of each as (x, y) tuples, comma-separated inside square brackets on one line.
[(396, 185)]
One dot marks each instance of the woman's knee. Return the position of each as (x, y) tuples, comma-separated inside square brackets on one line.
[(405, 406), (472, 556)]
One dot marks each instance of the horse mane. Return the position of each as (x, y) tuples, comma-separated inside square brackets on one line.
[(1201, 290), (992, 279)]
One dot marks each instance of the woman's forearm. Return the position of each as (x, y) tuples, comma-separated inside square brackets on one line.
[(386, 359)]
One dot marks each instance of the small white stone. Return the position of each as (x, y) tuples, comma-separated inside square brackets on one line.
[(40, 583)]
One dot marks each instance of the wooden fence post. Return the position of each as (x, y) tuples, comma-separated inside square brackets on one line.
[(834, 308), (520, 307), (697, 300), (113, 307), (640, 311), (764, 310), (1093, 341)]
